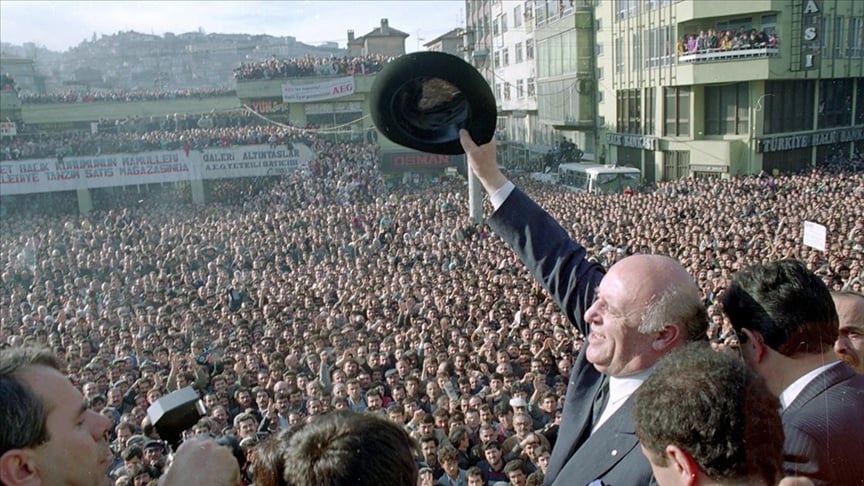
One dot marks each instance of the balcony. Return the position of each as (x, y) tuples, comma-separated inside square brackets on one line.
[(713, 55)]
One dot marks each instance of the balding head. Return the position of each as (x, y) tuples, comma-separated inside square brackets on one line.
[(646, 306)]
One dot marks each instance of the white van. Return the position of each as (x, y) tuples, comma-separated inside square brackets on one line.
[(598, 179)]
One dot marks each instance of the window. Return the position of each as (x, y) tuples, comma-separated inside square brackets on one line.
[(540, 12), (517, 16), (650, 110), (677, 111), (520, 89), (599, 50), (835, 103), (734, 25), (838, 37), (552, 10), (507, 91), (531, 87), (503, 23), (782, 116), (659, 46), (498, 92), (636, 53), (506, 57), (769, 23), (496, 59), (859, 108), (619, 54), (727, 109), (517, 51), (856, 39), (629, 111), (495, 28), (529, 48)]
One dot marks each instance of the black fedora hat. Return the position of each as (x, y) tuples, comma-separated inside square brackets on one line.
[(421, 100)]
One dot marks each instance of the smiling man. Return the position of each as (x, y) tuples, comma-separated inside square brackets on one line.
[(644, 307)]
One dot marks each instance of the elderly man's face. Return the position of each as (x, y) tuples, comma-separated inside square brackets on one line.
[(615, 345)]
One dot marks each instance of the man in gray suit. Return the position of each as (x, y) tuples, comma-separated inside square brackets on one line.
[(645, 306), (787, 325)]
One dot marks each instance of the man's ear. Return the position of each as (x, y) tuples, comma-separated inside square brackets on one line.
[(684, 465), (666, 338), (756, 343), (17, 467)]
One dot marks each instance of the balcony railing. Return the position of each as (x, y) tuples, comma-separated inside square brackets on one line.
[(711, 55)]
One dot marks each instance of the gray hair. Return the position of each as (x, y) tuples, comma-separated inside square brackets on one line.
[(680, 308)]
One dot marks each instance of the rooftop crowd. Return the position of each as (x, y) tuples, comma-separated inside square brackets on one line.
[(118, 94), (275, 68), (331, 289), (141, 134)]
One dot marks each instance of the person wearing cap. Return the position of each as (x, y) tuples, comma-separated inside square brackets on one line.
[(641, 309), (516, 444)]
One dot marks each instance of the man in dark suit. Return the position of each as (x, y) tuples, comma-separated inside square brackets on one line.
[(787, 325), (643, 308)]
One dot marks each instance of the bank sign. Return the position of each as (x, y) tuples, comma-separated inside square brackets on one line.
[(823, 137), (644, 142)]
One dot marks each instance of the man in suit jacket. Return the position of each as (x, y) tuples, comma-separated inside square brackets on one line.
[(787, 325), (645, 306)]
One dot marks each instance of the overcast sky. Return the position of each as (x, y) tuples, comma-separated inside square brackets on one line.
[(60, 25)]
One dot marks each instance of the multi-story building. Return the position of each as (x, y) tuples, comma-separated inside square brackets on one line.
[(450, 42), (698, 88), (566, 71), (382, 40), (500, 43)]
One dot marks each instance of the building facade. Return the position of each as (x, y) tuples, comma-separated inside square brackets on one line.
[(694, 88), (566, 72), (499, 42)]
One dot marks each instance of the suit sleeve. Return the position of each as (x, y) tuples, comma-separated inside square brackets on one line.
[(554, 259)]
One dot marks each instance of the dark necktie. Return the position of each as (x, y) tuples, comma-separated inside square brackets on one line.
[(600, 400)]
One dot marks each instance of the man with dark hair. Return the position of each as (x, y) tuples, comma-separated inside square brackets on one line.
[(48, 436), (493, 465), (645, 306), (515, 472), (787, 326), (343, 448), (850, 344), (703, 417), (453, 475)]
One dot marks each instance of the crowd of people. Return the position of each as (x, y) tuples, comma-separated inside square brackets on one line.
[(276, 68), (327, 289), (140, 134), (95, 95), (713, 41)]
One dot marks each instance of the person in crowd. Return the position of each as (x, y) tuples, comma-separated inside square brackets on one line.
[(645, 306), (850, 342), (339, 448), (703, 417), (787, 326), (48, 436)]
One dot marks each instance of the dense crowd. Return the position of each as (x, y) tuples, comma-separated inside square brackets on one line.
[(118, 94), (134, 135), (712, 41), (329, 289), (275, 68)]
